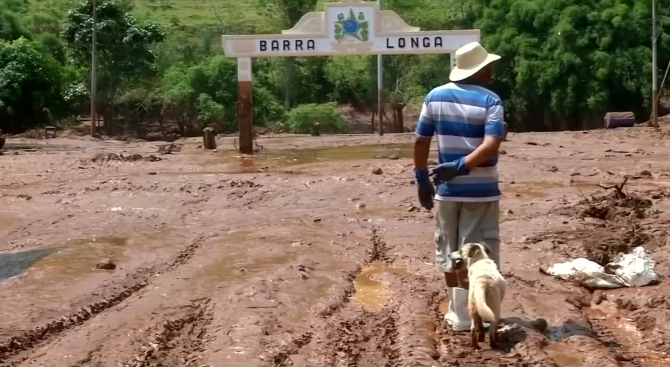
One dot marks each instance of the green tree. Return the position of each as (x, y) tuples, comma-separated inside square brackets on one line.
[(206, 93), (301, 119), (31, 83), (289, 13), (567, 62), (407, 78), (124, 48), (12, 22)]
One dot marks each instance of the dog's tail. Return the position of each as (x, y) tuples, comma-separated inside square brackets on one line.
[(483, 309)]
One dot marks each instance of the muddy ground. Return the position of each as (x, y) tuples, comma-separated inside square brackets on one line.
[(313, 253)]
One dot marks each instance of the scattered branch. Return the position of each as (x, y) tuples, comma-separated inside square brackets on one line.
[(618, 188)]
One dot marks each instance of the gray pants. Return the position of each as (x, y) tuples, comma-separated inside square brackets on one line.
[(459, 223)]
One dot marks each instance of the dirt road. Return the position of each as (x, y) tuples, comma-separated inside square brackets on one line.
[(314, 254)]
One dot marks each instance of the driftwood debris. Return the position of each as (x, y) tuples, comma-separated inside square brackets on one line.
[(169, 148), (617, 187)]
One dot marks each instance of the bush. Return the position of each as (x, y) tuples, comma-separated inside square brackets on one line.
[(267, 108), (301, 119)]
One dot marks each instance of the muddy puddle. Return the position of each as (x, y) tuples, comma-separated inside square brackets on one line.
[(536, 190), (283, 161), (38, 147), (232, 268), (13, 264), (372, 287), (46, 271), (562, 355), (245, 253), (235, 261)]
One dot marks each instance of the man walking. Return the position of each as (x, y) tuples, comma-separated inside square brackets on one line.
[(468, 120)]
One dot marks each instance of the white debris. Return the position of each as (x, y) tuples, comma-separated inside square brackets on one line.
[(627, 270)]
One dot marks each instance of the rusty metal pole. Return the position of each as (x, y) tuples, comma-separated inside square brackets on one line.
[(94, 71), (245, 106)]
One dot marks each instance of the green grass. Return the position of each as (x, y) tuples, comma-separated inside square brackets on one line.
[(225, 16), (202, 13), (220, 16)]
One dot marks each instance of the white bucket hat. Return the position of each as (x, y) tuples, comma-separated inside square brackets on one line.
[(470, 58)]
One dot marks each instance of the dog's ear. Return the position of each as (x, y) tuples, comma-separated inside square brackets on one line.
[(474, 250)]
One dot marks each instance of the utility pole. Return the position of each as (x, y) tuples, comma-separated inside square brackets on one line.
[(380, 86), (654, 67), (94, 72)]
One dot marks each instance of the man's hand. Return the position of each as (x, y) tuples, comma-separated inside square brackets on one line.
[(426, 190), (446, 172)]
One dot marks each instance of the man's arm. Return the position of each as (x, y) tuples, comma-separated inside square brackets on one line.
[(425, 129), (494, 134)]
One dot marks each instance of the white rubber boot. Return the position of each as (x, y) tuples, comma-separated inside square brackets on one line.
[(457, 317)]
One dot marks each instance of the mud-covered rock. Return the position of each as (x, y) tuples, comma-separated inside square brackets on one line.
[(106, 264)]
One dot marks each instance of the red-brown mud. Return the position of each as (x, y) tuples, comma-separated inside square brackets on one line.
[(314, 253)]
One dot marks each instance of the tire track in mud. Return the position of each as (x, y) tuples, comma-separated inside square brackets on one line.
[(16, 346), (601, 344), (175, 342), (331, 326), (402, 333), (418, 340)]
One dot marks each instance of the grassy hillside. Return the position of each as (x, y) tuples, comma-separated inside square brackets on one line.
[(226, 16)]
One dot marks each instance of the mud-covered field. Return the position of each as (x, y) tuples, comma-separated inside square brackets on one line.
[(314, 253)]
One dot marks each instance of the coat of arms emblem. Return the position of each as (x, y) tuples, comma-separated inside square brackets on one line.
[(355, 27)]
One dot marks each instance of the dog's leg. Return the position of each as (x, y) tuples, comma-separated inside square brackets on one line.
[(493, 335), (475, 320), (474, 331), (482, 330), (493, 329)]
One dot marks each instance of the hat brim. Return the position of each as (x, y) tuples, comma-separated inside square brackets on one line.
[(457, 74)]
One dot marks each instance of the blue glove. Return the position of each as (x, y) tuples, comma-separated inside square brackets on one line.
[(446, 172), (426, 190)]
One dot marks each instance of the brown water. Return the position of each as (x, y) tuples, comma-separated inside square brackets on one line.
[(282, 160), (77, 259), (44, 273), (371, 288), (234, 260), (562, 355), (539, 190), (35, 147)]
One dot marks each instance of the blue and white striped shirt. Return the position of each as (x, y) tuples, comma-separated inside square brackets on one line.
[(461, 115)]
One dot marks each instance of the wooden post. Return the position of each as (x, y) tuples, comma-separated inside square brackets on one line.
[(316, 129), (245, 111), (49, 132), (209, 138)]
